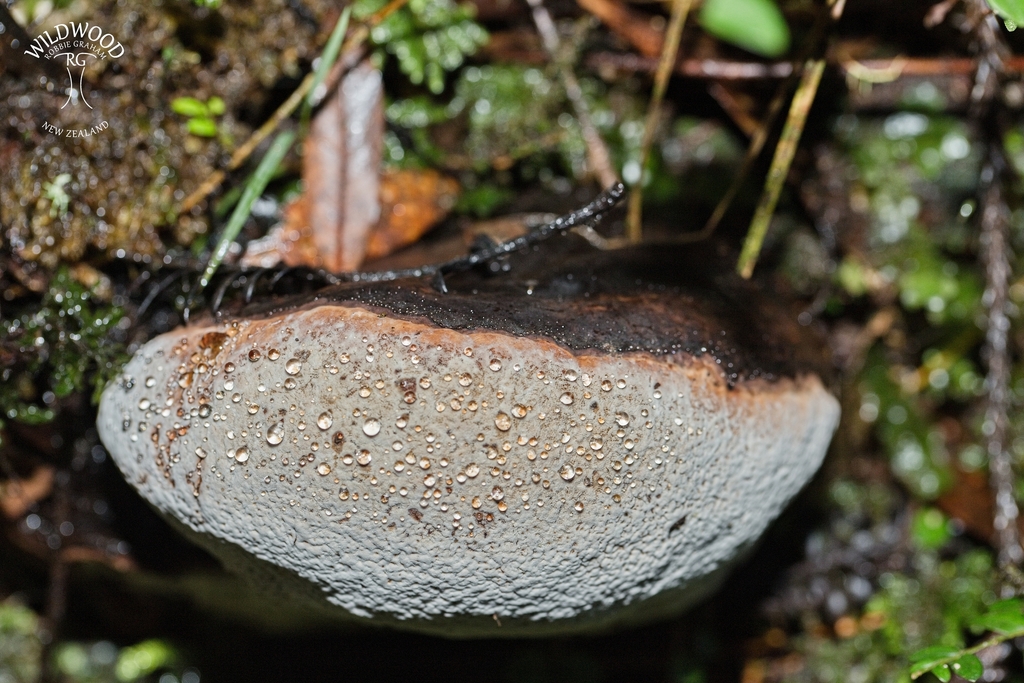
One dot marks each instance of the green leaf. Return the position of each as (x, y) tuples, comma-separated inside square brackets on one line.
[(189, 106), (1008, 605), (929, 658), (943, 673), (1009, 9), (968, 667), (215, 105), (1005, 617), (203, 127), (755, 25), (930, 528)]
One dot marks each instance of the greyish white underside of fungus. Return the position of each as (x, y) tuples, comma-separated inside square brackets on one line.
[(412, 473)]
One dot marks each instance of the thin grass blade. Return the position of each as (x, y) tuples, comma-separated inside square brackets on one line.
[(783, 159), (253, 189)]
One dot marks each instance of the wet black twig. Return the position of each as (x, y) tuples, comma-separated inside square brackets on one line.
[(991, 58), (587, 216)]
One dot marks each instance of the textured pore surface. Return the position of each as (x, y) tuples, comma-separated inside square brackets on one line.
[(452, 481)]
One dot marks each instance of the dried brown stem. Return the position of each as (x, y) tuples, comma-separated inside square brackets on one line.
[(718, 69), (597, 152), (632, 26), (884, 70), (680, 10), (735, 108)]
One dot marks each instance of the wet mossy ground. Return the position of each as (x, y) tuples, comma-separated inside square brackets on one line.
[(123, 185)]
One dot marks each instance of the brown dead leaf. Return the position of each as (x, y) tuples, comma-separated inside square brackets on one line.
[(412, 203), (970, 500), (17, 496), (341, 168), (351, 210), (290, 243), (329, 225)]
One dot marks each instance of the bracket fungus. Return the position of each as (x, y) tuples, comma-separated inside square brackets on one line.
[(579, 443)]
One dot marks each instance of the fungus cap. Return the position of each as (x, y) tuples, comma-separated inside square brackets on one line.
[(474, 464)]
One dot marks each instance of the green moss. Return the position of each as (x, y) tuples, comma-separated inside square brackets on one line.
[(512, 112), (67, 344), (904, 424), (913, 177), (933, 602)]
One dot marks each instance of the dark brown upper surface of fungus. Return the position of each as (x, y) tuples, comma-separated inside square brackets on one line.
[(654, 299)]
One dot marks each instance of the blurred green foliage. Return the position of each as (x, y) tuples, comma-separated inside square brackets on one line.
[(104, 662), (514, 112), (66, 345), (515, 116), (483, 200), (427, 37), (511, 113), (930, 528), (21, 647), (915, 445), (1004, 620), (934, 602), (914, 177)]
